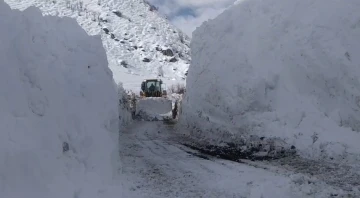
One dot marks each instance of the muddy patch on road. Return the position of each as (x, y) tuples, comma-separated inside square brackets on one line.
[(231, 153), (199, 155)]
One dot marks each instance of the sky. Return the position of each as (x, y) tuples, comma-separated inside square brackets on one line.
[(189, 14)]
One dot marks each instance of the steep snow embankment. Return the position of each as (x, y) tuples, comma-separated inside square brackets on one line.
[(125, 108), (58, 101), (283, 70)]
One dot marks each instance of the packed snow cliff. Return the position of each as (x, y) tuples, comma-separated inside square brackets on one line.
[(279, 74), (58, 109), (137, 39)]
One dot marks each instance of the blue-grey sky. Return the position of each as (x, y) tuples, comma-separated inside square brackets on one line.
[(189, 14)]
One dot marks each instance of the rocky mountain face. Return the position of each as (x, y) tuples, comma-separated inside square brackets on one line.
[(137, 38)]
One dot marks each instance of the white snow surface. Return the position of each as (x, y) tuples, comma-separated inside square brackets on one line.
[(156, 165), (125, 111), (153, 107), (287, 70), (134, 33), (55, 88)]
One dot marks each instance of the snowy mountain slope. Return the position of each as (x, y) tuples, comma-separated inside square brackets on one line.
[(284, 74), (59, 134), (136, 38)]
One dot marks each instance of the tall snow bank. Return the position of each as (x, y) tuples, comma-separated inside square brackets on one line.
[(285, 70), (58, 109), (125, 108)]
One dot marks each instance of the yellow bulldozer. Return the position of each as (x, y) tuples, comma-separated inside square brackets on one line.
[(153, 88), (153, 103)]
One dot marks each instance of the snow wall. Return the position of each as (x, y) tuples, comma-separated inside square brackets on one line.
[(58, 109), (125, 110), (287, 71)]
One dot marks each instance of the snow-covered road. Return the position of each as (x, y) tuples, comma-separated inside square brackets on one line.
[(155, 164)]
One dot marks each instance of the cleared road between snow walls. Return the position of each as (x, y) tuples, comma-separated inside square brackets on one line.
[(157, 164)]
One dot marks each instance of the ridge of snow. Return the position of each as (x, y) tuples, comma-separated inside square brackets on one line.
[(59, 118), (283, 70), (135, 32)]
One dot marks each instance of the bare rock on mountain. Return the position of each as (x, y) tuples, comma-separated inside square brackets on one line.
[(123, 24)]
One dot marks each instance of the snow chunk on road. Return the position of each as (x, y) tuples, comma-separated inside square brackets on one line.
[(287, 70), (59, 116), (153, 108)]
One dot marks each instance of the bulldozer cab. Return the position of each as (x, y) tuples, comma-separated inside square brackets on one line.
[(152, 88)]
